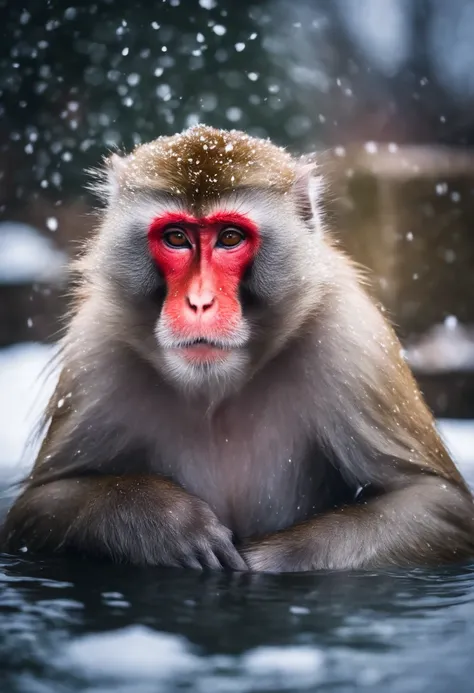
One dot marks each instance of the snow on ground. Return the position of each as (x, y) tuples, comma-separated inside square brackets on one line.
[(459, 437), (27, 256), (24, 392), (25, 387)]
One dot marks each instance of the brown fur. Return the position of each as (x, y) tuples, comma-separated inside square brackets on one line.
[(204, 162), (265, 469)]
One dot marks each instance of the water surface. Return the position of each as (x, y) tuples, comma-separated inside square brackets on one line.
[(73, 626)]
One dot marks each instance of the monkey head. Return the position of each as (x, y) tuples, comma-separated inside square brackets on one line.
[(211, 252)]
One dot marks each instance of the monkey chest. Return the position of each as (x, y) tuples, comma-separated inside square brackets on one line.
[(255, 481)]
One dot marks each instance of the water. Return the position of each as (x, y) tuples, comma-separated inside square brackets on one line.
[(72, 625)]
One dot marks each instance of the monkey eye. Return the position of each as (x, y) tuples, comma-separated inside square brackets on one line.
[(230, 237), (176, 238)]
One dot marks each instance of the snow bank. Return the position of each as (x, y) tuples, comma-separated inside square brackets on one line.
[(25, 387), (26, 256)]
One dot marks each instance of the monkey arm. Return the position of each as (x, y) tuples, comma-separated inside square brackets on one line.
[(429, 522), (144, 520)]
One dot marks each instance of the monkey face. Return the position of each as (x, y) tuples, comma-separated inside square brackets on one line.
[(205, 238), (201, 328)]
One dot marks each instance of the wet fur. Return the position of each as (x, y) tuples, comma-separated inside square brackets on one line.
[(256, 464)]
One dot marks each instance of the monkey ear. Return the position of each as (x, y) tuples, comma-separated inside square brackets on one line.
[(307, 189), (107, 179)]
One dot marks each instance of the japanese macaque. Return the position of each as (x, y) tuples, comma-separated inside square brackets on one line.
[(230, 396)]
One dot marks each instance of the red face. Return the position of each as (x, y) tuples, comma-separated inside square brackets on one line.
[(203, 261)]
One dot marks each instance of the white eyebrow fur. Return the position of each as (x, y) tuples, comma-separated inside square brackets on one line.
[(140, 209)]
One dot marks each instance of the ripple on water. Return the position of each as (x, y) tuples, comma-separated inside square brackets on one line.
[(399, 632)]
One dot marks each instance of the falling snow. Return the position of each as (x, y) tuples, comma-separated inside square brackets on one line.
[(219, 29), (371, 147), (234, 114), (80, 81), (52, 223)]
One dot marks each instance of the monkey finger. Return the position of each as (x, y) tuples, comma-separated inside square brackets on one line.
[(230, 558), (226, 552), (208, 559), (189, 560)]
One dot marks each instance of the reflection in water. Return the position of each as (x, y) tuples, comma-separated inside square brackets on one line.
[(73, 626)]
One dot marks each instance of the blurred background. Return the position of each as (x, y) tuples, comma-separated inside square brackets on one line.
[(383, 88)]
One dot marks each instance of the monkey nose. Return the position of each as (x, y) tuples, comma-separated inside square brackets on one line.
[(200, 302)]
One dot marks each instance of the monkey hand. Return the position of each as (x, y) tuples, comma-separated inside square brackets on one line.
[(143, 520), (282, 552), (193, 537)]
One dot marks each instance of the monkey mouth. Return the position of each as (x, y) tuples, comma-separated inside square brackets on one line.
[(205, 343), (202, 350), (202, 340)]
